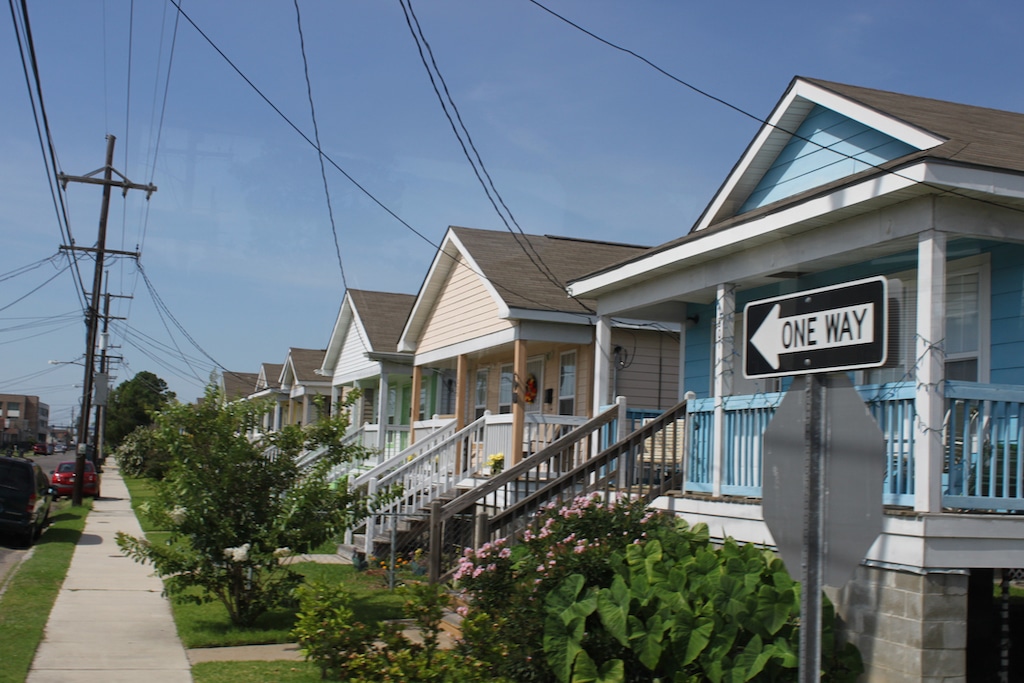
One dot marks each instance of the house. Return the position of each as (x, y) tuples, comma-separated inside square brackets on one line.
[(362, 354), (268, 387), (237, 385), (844, 183), (303, 386), (492, 314)]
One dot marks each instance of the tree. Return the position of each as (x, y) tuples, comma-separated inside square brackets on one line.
[(133, 403), (236, 506)]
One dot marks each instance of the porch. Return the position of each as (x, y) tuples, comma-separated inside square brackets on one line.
[(981, 434)]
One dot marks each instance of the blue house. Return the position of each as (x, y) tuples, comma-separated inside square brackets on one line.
[(840, 184)]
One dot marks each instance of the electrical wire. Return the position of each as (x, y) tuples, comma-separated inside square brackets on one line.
[(316, 135), (327, 157), (460, 130), (30, 66), (764, 122)]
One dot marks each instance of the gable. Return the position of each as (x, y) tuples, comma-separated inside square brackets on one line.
[(353, 362), (465, 309), (778, 164), (827, 146)]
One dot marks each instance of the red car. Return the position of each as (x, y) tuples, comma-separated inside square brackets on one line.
[(63, 480)]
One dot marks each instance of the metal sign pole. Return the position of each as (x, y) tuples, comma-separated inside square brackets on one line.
[(811, 581)]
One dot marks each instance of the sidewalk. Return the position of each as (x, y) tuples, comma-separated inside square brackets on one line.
[(110, 623)]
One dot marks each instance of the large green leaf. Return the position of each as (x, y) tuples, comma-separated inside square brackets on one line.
[(650, 642), (586, 671), (752, 659), (562, 645), (613, 609)]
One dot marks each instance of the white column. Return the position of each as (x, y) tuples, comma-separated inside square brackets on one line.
[(602, 364), (929, 399), (725, 327), (681, 380), (382, 410)]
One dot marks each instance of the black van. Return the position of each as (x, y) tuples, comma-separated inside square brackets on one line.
[(25, 497)]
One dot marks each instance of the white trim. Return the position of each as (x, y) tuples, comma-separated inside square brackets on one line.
[(466, 347), (758, 228)]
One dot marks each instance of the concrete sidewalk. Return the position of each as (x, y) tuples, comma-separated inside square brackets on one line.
[(110, 623)]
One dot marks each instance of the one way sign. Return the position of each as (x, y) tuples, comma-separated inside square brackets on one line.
[(831, 329)]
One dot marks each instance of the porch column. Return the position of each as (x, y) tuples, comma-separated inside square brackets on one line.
[(461, 380), (681, 379), (929, 398), (518, 404), (602, 364), (417, 384), (725, 327), (382, 410)]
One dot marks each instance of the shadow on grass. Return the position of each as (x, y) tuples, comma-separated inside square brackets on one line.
[(58, 535)]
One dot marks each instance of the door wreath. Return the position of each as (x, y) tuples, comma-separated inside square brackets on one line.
[(530, 392)]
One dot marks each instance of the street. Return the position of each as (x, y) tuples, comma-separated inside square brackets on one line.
[(11, 552)]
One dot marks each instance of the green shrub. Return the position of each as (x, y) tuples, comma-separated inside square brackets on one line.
[(600, 592), (350, 651), (140, 455)]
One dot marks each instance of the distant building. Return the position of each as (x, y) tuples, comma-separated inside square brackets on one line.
[(23, 420)]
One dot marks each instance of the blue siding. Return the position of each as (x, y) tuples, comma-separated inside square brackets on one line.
[(697, 377), (1007, 361), (827, 146)]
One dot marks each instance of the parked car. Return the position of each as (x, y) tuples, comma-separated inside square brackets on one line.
[(63, 481), (41, 449), (25, 498)]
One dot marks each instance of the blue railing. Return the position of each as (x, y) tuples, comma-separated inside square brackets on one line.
[(983, 434)]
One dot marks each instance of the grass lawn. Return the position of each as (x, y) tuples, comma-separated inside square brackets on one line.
[(278, 672), (208, 625), (26, 604)]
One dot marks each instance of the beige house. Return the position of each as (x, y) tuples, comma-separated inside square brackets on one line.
[(493, 313), (302, 384)]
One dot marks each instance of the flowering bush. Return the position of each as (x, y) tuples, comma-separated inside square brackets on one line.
[(601, 591), (506, 583)]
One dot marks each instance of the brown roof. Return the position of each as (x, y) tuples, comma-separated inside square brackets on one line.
[(272, 374), (383, 315), (975, 135), (513, 264), (305, 362), (239, 384)]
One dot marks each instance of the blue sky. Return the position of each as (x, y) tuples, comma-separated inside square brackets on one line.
[(580, 139)]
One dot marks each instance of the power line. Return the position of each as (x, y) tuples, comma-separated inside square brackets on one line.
[(764, 122), (316, 134), (351, 179), (479, 169), (30, 64)]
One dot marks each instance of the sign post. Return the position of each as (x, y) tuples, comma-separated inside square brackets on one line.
[(822, 446)]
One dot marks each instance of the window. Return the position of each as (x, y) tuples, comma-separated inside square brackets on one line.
[(13, 409), (967, 322), (567, 384), (480, 393), (505, 389)]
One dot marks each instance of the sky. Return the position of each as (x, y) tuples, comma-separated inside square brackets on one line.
[(240, 243)]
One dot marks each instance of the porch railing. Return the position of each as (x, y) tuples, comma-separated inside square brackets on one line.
[(646, 463), (983, 433), (447, 459)]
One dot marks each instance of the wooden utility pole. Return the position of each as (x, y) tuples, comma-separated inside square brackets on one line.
[(93, 313)]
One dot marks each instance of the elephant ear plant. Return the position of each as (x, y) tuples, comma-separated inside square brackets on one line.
[(235, 506), (603, 592)]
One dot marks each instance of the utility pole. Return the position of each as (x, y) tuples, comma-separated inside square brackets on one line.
[(103, 379), (93, 314)]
